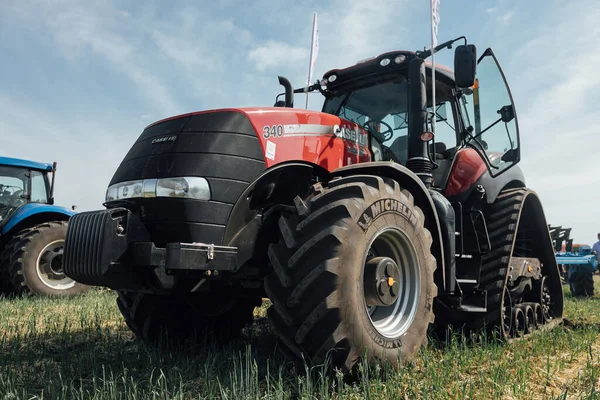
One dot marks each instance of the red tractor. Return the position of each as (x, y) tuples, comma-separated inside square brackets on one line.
[(359, 224)]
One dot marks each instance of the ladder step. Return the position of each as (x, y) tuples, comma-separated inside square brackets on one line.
[(473, 309)]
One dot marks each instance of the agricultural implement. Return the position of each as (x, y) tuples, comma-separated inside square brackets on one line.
[(577, 262), (359, 223), (32, 231)]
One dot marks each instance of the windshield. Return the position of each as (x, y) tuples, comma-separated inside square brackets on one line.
[(15, 189), (382, 110)]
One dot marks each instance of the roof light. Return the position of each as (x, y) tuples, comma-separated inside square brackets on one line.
[(384, 62), (399, 59)]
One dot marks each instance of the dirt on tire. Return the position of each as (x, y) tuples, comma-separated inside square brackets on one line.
[(318, 306)]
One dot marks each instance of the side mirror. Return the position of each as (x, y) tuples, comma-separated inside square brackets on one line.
[(465, 65)]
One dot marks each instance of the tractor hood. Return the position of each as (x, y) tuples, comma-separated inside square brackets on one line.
[(185, 174), (239, 144)]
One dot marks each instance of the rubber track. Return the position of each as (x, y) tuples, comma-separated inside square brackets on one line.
[(502, 219), (306, 314), (16, 259)]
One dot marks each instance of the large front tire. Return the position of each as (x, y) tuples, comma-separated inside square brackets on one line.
[(177, 318), (319, 291), (35, 262)]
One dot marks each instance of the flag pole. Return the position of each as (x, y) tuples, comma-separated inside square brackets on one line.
[(434, 4), (314, 50)]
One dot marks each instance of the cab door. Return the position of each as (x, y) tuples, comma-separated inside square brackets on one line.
[(490, 118)]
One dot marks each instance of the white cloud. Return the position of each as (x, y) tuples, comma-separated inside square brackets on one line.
[(274, 54), (87, 151), (558, 118), (506, 17), (80, 30)]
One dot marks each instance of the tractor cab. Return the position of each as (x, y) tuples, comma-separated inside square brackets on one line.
[(22, 182), (375, 94), (473, 110)]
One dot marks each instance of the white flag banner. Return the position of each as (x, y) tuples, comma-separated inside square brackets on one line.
[(314, 50), (435, 20)]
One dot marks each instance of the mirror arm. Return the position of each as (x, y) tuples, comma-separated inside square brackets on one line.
[(427, 53)]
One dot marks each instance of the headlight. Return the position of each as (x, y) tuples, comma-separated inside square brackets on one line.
[(182, 187)]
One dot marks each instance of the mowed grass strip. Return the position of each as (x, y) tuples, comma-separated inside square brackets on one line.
[(82, 349)]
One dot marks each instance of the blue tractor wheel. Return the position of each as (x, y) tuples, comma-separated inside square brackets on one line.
[(34, 260)]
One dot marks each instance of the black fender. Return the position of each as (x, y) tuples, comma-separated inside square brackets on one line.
[(424, 199), (275, 187), (511, 179)]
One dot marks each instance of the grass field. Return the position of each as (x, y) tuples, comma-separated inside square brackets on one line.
[(57, 349)]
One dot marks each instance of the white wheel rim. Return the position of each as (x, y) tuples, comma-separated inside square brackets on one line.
[(46, 268), (394, 321)]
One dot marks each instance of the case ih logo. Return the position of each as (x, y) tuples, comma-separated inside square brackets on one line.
[(351, 134), (164, 139)]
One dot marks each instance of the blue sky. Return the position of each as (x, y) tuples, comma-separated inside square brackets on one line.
[(80, 80)]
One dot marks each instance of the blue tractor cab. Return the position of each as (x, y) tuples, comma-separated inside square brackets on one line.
[(577, 263), (32, 231)]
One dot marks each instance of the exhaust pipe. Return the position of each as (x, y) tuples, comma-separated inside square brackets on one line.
[(289, 91)]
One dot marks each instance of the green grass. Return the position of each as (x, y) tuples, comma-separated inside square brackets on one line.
[(59, 349)]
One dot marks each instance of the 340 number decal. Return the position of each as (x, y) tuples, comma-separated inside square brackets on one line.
[(272, 131)]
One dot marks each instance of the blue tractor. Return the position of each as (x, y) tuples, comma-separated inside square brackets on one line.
[(32, 231), (577, 263)]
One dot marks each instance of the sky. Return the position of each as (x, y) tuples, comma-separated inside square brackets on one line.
[(79, 80)]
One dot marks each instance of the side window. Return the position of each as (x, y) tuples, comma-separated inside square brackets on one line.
[(490, 117), (12, 186), (445, 131), (39, 192)]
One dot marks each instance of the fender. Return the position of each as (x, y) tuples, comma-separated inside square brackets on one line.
[(408, 180), (40, 212), (277, 185)]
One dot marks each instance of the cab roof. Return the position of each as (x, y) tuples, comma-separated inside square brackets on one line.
[(381, 65), (17, 162)]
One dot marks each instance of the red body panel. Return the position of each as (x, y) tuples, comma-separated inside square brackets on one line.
[(288, 134), (466, 170)]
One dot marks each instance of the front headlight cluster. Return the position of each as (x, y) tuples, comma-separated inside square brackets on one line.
[(183, 187)]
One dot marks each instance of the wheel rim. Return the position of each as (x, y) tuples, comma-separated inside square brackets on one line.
[(546, 300), (393, 321), (49, 267), (506, 312)]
